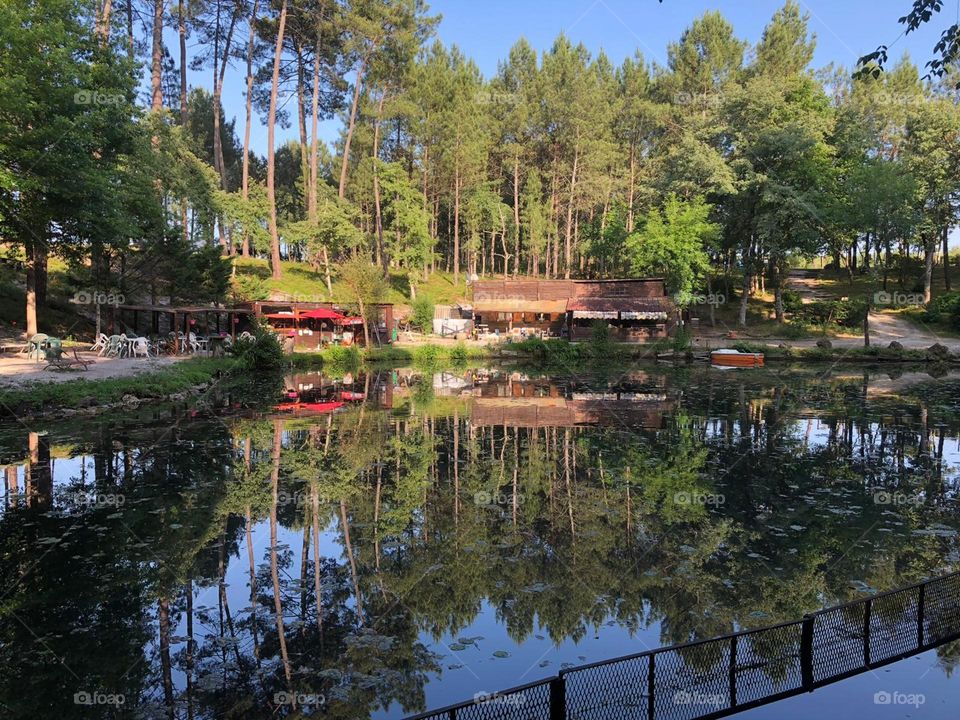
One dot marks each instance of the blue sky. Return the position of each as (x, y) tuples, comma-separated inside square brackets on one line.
[(486, 29)]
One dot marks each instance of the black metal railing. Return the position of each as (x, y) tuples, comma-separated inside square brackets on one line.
[(725, 675)]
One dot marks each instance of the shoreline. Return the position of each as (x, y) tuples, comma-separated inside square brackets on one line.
[(177, 380)]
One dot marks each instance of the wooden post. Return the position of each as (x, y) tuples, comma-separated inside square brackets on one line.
[(175, 328)]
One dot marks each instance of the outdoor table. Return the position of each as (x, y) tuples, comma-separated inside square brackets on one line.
[(35, 346)]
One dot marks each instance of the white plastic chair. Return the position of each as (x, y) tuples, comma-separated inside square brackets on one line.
[(140, 347), (101, 344)]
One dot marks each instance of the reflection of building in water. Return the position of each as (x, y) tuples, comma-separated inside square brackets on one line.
[(312, 392), (517, 401)]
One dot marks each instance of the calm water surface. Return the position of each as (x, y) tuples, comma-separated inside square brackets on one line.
[(380, 544)]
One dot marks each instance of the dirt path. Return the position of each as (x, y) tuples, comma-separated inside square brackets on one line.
[(885, 326), (18, 371)]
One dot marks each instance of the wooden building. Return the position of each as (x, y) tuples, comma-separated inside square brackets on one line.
[(634, 309)]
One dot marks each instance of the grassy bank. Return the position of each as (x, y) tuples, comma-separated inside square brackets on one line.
[(167, 381)]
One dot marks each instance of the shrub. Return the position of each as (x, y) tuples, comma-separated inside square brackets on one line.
[(261, 352), (459, 353), (342, 357), (848, 313), (946, 305), (421, 314), (427, 356), (681, 338), (792, 300), (599, 339)]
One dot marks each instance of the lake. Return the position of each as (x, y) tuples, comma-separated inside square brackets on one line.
[(381, 543)]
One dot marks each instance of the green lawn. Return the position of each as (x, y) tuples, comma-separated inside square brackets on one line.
[(302, 282)]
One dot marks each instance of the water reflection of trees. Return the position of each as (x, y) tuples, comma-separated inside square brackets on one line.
[(435, 513)]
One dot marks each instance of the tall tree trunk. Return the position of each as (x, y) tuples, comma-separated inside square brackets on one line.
[(946, 259), (930, 248), (378, 213), (456, 224), (156, 58), (245, 178), (745, 289), (276, 271), (130, 43), (516, 211), (103, 22), (182, 36), (633, 177), (569, 228), (314, 142), (31, 288), (302, 122), (351, 124)]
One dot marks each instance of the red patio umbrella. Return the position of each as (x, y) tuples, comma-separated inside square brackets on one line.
[(321, 314)]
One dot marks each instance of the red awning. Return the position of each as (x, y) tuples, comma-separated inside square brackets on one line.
[(321, 314), (280, 316), (352, 321)]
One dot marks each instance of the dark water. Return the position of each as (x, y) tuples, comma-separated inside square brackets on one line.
[(396, 541)]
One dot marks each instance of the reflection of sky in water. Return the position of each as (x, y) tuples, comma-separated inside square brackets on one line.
[(469, 659)]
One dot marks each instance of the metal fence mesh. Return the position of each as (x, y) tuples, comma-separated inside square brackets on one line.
[(530, 703), (768, 663), (693, 680), (838, 641), (609, 692), (942, 608), (893, 624), (696, 680)]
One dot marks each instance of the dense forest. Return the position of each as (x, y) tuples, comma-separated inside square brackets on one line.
[(721, 168)]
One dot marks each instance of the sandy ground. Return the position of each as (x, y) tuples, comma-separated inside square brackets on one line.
[(18, 370)]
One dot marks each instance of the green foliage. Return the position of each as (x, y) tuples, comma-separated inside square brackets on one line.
[(792, 300), (599, 339), (945, 306), (261, 352), (846, 313), (341, 358), (421, 314), (673, 244)]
